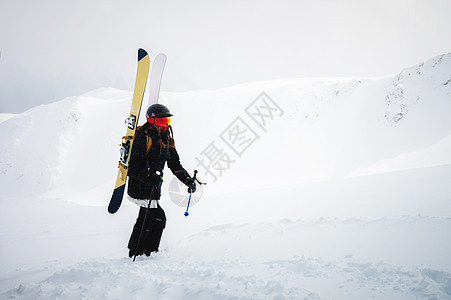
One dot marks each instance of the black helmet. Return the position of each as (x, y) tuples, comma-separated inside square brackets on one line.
[(157, 111)]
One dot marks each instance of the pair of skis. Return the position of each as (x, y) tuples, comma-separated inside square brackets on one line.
[(132, 121)]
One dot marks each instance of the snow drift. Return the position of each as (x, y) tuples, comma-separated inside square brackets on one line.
[(317, 188)]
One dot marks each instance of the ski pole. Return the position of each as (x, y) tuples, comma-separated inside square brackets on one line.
[(189, 200), (191, 193), (141, 233), (144, 222)]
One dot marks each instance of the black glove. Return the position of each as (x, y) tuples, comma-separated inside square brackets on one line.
[(191, 184), (184, 177)]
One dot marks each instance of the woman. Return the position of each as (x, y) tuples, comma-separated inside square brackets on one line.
[(153, 147)]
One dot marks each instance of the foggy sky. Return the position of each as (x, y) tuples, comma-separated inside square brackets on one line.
[(54, 49)]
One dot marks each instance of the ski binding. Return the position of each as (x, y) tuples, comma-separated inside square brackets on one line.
[(131, 121)]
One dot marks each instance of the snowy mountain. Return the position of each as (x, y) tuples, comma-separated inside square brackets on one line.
[(317, 189)]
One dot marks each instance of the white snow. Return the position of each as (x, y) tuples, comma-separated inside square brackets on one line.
[(343, 193), (4, 117)]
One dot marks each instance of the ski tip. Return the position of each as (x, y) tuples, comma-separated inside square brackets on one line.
[(116, 199), (141, 53)]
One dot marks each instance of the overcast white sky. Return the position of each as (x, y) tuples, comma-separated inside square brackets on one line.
[(51, 49)]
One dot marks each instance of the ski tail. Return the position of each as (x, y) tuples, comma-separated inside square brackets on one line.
[(116, 199)]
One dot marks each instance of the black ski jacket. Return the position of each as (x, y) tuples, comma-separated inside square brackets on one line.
[(145, 163)]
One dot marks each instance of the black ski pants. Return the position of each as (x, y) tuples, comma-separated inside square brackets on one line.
[(153, 229)]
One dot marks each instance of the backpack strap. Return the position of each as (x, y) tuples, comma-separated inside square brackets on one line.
[(148, 143), (171, 141), (148, 138)]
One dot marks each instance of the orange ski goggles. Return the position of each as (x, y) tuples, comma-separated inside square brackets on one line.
[(161, 122)]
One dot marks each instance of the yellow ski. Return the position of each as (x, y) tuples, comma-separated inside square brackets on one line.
[(132, 123)]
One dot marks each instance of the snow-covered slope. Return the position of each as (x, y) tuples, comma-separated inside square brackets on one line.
[(317, 188), (4, 117), (322, 129)]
